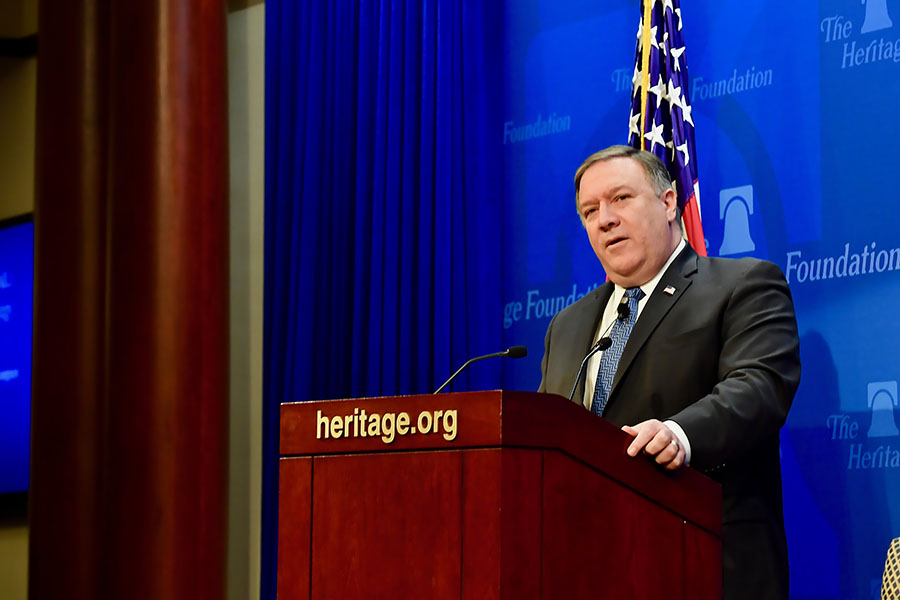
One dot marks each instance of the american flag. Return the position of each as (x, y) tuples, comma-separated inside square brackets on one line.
[(665, 126)]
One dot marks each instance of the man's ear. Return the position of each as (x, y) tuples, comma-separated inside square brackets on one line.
[(670, 199)]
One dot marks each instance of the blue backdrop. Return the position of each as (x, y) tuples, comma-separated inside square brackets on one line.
[(420, 210)]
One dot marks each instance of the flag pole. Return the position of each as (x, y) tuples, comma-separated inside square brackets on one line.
[(645, 66)]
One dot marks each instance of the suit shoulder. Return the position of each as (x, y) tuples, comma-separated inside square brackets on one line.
[(739, 267), (588, 300), (583, 307)]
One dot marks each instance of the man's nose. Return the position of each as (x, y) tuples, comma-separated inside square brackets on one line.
[(606, 218)]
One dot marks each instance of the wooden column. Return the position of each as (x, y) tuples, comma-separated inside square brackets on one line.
[(129, 426), (70, 301)]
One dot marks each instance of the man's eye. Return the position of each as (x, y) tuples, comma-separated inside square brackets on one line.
[(589, 212), (621, 197)]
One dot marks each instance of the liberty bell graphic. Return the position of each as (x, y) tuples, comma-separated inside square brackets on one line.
[(882, 399), (877, 16), (735, 208)]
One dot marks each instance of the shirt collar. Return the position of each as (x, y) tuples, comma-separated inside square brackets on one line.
[(648, 287)]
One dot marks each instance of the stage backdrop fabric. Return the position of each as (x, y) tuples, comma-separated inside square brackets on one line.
[(420, 210), (383, 198)]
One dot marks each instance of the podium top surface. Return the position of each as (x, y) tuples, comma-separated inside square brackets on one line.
[(494, 419)]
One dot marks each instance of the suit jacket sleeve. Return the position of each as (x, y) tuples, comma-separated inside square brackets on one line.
[(546, 359), (758, 370)]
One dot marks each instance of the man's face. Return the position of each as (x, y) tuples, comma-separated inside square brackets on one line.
[(632, 228)]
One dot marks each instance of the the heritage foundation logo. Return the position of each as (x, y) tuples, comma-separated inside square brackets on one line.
[(848, 261), (857, 52), (882, 400), (735, 208), (514, 133), (875, 447), (877, 17), (741, 79), (538, 305)]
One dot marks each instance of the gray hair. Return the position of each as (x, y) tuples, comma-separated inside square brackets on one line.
[(653, 167)]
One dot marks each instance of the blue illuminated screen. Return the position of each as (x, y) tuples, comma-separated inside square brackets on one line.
[(16, 311)]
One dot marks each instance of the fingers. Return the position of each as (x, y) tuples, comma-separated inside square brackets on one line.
[(672, 456), (656, 440), (646, 431), (663, 442)]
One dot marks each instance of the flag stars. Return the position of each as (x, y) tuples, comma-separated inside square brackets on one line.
[(684, 151), (658, 90), (676, 53), (686, 113), (633, 124), (673, 94), (633, 140), (653, 41), (661, 119), (655, 135), (670, 86), (670, 144)]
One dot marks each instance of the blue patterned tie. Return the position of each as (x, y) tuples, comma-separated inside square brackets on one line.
[(610, 360)]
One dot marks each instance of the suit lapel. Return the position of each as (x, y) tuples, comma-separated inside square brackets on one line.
[(676, 279)]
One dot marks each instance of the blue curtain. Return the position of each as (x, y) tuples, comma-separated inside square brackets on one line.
[(383, 189)]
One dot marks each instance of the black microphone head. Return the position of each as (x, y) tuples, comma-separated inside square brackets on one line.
[(517, 352), (604, 343), (623, 310)]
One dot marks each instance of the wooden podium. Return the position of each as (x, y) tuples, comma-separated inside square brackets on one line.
[(484, 495)]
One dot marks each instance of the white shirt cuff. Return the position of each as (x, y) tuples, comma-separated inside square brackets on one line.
[(682, 439)]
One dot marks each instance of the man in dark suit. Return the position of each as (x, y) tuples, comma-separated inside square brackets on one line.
[(709, 369)]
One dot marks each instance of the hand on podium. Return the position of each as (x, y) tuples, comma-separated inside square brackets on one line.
[(656, 439)]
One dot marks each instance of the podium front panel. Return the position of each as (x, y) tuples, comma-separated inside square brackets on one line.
[(530, 497)]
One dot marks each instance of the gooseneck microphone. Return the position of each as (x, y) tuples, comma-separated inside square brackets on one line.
[(602, 344), (511, 352), (623, 312)]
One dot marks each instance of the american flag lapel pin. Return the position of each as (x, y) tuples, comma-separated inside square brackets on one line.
[(669, 290)]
